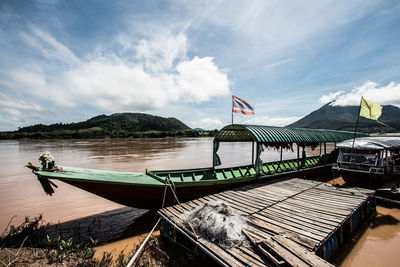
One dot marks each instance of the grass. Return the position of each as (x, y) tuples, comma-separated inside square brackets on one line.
[(29, 244)]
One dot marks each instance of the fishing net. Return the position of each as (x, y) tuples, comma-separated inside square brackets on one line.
[(218, 223)]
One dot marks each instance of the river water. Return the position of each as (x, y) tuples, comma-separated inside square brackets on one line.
[(22, 195)]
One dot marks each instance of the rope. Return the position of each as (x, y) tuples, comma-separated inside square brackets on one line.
[(173, 188)]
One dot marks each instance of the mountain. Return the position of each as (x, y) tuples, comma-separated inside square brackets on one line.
[(115, 125), (133, 122), (345, 117)]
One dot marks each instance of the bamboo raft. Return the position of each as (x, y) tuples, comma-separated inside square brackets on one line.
[(292, 221)]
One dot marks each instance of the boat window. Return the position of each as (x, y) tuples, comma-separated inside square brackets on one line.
[(370, 159)]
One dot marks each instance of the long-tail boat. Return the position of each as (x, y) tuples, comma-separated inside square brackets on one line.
[(369, 161), (146, 190)]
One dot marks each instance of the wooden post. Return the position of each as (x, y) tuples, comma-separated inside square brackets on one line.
[(298, 156), (324, 148), (341, 235), (214, 155), (355, 131), (252, 153), (351, 224), (362, 212), (281, 155)]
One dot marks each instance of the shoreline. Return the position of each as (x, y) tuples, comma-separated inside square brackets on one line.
[(120, 243)]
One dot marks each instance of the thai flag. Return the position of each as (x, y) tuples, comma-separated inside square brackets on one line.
[(242, 106)]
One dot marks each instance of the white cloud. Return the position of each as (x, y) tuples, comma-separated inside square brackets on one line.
[(206, 124), (330, 97), (279, 63), (385, 95), (160, 74), (269, 27), (14, 110), (266, 120), (49, 46), (159, 53)]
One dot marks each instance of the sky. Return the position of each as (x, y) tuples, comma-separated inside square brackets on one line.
[(67, 61)]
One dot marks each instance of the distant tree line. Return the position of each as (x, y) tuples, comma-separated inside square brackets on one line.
[(102, 133), (131, 125)]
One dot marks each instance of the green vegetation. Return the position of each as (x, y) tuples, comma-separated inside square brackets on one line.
[(133, 125), (29, 244)]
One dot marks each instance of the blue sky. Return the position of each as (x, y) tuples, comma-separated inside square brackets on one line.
[(67, 61)]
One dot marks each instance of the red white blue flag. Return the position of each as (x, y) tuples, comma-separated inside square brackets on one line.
[(239, 105)]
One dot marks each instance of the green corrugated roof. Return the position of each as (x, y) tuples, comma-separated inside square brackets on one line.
[(271, 134)]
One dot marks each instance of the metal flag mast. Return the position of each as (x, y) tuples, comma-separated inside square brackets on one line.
[(355, 132), (232, 109)]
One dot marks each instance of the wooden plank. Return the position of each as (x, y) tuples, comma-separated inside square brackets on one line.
[(272, 258), (242, 199), (305, 213), (249, 251), (315, 207), (327, 199), (300, 231), (235, 205), (246, 199), (286, 254), (259, 198), (307, 256), (220, 252), (287, 222), (321, 203), (312, 211), (308, 219), (244, 258), (307, 242)]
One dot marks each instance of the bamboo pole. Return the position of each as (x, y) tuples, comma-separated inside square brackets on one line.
[(132, 261), (355, 131)]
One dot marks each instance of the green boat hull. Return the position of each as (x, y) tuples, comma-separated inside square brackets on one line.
[(146, 190)]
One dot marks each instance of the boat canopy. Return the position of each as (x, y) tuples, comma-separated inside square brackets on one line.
[(276, 135), (373, 142)]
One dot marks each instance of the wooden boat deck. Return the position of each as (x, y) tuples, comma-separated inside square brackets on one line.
[(300, 222)]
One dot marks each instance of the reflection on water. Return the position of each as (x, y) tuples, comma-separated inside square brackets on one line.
[(21, 194), (379, 243)]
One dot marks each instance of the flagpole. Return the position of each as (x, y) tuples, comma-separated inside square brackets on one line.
[(355, 132), (232, 110)]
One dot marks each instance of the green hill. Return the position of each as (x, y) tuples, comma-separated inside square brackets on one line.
[(134, 122), (345, 117), (115, 125)]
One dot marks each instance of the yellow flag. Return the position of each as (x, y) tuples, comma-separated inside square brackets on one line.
[(370, 110)]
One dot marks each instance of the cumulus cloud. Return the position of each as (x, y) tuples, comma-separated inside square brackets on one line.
[(159, 53), (266, 120), (386, 95), (158, 75), (207, 124)]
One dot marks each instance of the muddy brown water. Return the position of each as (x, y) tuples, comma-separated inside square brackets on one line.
[(22, 195)]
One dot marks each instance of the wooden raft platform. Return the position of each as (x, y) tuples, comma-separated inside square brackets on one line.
[(292, 221)]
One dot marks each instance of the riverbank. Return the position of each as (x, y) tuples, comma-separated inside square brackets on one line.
[(85, 242), (100, 133), (374, 244)]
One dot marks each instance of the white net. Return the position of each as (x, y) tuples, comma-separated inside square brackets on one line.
[(218, 223)]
